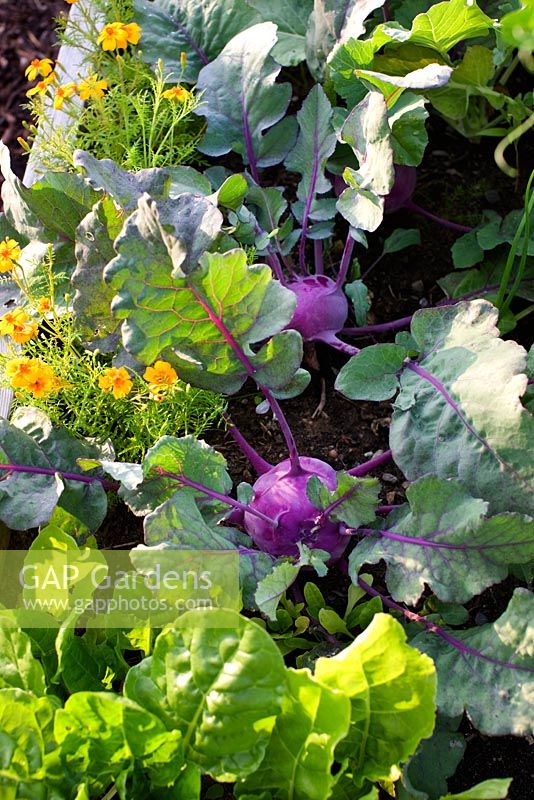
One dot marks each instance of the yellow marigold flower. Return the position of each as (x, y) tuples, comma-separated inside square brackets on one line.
[(63, 93), (177, 94), (113, 36), (32, 375), (92, 88), (39, 66), (115, 380), (43, 305), (9, 254), (71, 2), (160, 375), (42, 86), (18, 325), (133, 32)]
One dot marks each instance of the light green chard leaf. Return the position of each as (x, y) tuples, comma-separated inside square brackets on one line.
[(446, 24), (292, 23), (221, 687), (92, 298), (491, 678), (391, 688), (494, 789), (444, 540), (200, 30), (372, 374), (354, 500), (103, 737), (242, 102), (204, 320), (19, 669), (458, 414), (300, 754)]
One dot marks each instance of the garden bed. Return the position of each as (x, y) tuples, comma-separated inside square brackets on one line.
[(459, 180)]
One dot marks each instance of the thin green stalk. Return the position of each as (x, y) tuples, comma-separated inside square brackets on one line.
[(507, 274)]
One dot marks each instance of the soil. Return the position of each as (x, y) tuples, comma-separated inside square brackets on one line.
[(458, 179)]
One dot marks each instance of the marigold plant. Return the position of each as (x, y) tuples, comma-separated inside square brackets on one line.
[(92, 88), (117, 381), (39, 66), (18, 325)]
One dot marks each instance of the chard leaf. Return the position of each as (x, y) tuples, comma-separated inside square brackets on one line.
[(273, 586), (331, 24), (445, 541), (204, 320), (492, 676), (391, 688), (292, 23), (458, 413), (446, 24), (494, 789), (92, 298), (372, 374), (200, 30), (222, 688), (102, 737), (242, 102), (354, 500), (300, 755), (19, 669)]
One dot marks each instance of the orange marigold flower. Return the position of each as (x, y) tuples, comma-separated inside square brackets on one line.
[(44, 305), (177, 94), (160, 375), (63, 93), (9, 254), (115, 380), (71, 2), (92, 88), (18, 325), (42, 86), (39, 66), (113, 36), (32, 375)]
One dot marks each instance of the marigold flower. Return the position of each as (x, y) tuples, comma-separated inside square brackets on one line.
[(71, 2), (43, 305), (177, 94), (160, 375), (39, 66), (42, 86), (118, 35), (116, 381), (18, 325), (32, 375), (10, 253), (63, 93), (92, 88)]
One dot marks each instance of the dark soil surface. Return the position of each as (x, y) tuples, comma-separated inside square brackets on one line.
[(458, 179)]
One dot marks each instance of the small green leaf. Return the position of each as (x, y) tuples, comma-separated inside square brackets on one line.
[(372, 374), (400, 239), (354, 499)]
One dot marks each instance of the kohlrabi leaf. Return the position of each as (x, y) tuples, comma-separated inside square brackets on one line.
[(489, 673), (92, 298), (444, 540), (431, 76), (200, 30), (372, 374), (362, 208), (391, 688), (242, 102), (292, 23), (49, 210), (446, 24), (458, 413), (299, 758), (358, 293), (353, 502), (400, 239), (408, 133), (425, 775), (351, 56), (222, 687), (331, 24), (204, 321), (103, 737), (19, 669)]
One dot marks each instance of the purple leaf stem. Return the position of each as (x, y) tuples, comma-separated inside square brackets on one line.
[(454, 226), (382, 327), (345, 261), (274, 263), (251, 372), (443, 634), (259, 464), (309, 201), (251, 157), (215, 495), (185, 33), (68, 476), (397, 537), (369, 466), (387, 509), (318, 256)]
